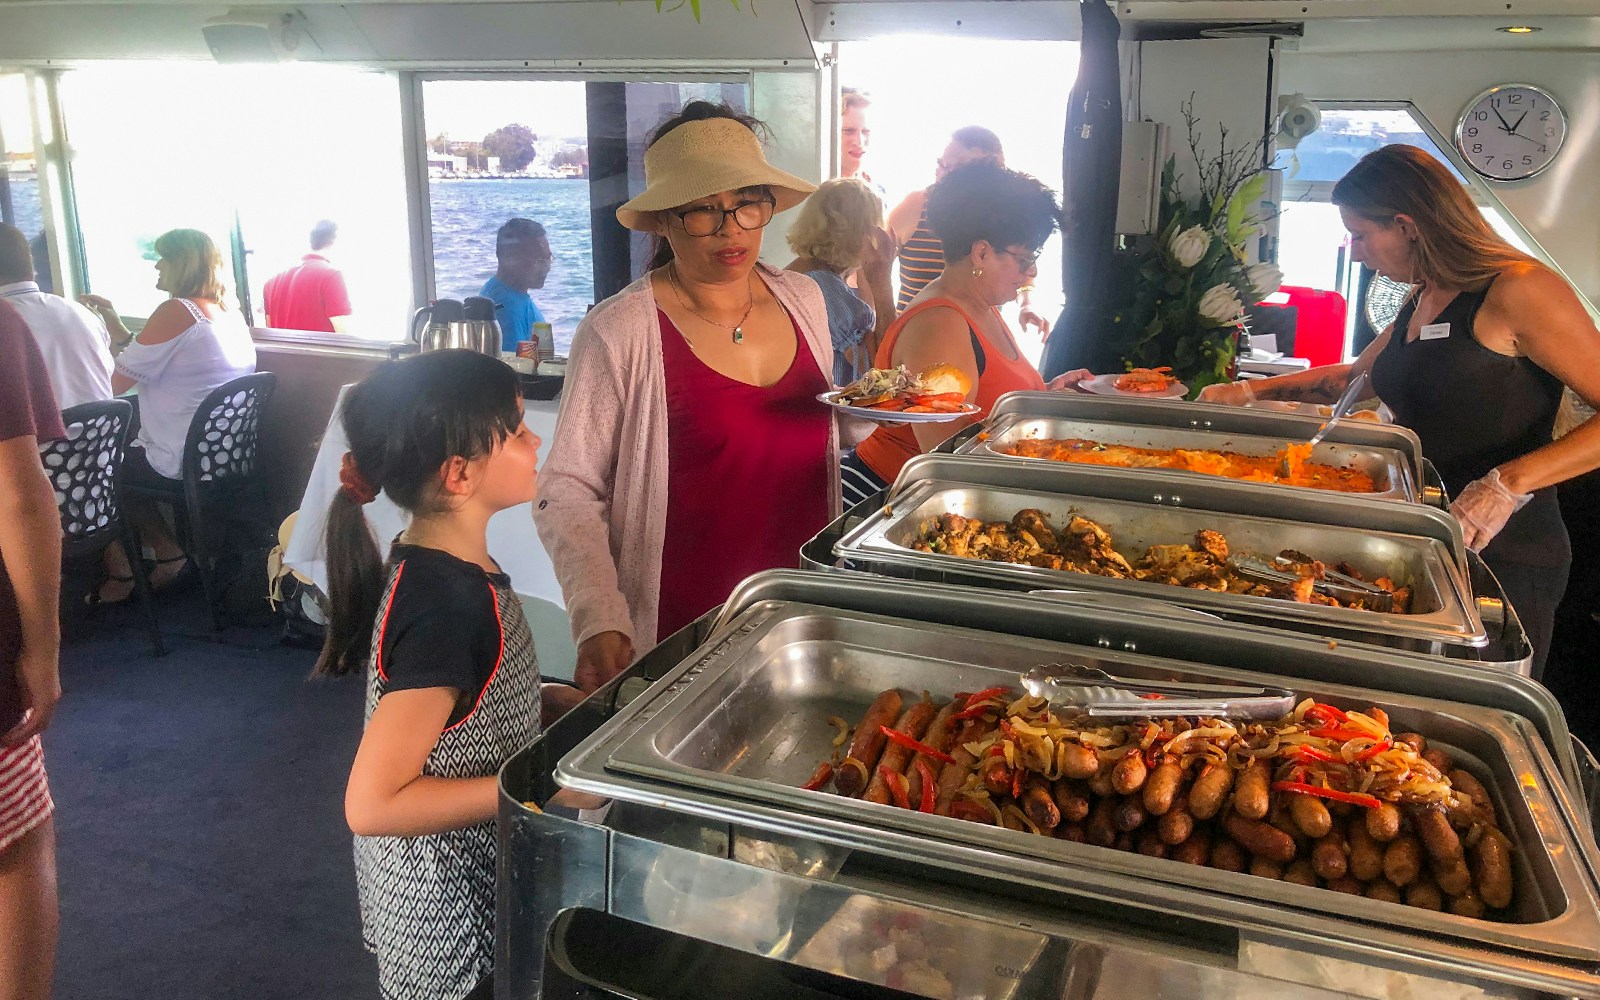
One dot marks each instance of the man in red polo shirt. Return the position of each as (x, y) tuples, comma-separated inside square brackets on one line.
[(311, 295)]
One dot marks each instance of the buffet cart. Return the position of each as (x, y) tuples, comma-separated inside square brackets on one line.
[(712, 862)]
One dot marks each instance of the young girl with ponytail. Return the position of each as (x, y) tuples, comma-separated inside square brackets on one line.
[(452, 682)]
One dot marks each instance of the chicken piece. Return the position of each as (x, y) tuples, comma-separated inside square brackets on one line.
[(1084, 541), (1182, 565), (1047, 560), (1032, 521), (1212, 543)]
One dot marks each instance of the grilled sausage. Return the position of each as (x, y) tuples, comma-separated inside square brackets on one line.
[(1162, 787), (1194, 851), (953, 776), (1102, 831), (1077, 760), (1261, 839), (1347, 885), (1038, 805), (1129, 814), (1442, 761), (1464, 783), (1251, 793), (1310, 815), (1415, 741), (1491, 865), (1379, 716), (1385, 890), (1124, 842), (1263, 868), (1072, 800), (938, 736), (1229, 856), (866, 746), (1129, 774), (1073, 832), (1470, 905), (1151, 845), (1330, 857), (1100, 782), (1366, 854), (1444, 850), (997, 776), (1425, 895), (1210, 790), (1383, 822), (1300, 873), (1402, 860), (895, 757), (1176, 826)]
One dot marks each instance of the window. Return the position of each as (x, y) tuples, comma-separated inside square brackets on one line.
[(1312, 242), (20, 204), (518, 148), (266, 152)]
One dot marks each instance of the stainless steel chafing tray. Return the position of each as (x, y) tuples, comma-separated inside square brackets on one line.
[(1211, 418), (1391, 455), (732, 732), (1413, 545)]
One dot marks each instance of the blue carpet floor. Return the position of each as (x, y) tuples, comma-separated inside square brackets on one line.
[(202, 847)]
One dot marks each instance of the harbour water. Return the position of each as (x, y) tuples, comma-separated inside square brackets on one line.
[(466, 214)]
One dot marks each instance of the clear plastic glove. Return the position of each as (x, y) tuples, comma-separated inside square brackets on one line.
[(1069, 380), (1238, 393), (1484, 507)]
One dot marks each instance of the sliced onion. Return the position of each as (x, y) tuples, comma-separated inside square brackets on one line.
[(842, 726), (1011, 809)]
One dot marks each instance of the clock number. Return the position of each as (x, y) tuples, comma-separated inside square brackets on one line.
[(1543, 148), (1516, 98), (1489, 158), (1506, 165), (1494, 102), (1477, 147), (1481, 116), (1550, 131), (1527, 161), (1472, 131), (1544, 116)]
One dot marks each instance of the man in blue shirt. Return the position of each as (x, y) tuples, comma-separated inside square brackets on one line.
[(524, 258)]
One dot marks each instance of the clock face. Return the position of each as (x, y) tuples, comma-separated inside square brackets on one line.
[(1511, 132)]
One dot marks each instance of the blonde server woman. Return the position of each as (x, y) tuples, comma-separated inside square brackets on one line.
[(192, 343), (1475, 364)]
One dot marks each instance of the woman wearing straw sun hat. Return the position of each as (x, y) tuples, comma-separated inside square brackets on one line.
[(690, 450)]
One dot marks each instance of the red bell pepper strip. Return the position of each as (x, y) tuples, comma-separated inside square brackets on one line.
[(967, 809), (985, 695), (1301, 788), (1016, 783), (1153, 696), (1306, 753), (916, 745), (929, 793), (1327, 714), (1374, 750), (823, 775), (1340, 735), (973, 712), (899, 788)]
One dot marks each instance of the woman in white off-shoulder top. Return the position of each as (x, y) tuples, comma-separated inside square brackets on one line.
[(192, 344)]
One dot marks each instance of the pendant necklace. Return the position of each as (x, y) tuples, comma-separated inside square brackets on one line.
[(737, 330)]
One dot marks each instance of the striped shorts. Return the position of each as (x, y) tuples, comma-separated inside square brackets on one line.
[(24, 793), (857, 481)]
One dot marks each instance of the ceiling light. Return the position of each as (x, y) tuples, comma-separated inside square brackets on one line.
[(1520, 29)]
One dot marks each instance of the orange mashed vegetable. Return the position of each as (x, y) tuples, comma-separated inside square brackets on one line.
[(1259, 469)]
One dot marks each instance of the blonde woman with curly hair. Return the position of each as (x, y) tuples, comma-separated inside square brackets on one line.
[(840, 234), (192, 343)]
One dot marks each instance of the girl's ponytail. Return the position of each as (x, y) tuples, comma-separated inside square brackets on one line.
[(355, 586)]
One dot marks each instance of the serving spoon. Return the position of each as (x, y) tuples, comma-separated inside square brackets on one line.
[(1341, 409)]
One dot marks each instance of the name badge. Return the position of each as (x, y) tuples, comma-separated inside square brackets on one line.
[(1434, 331)]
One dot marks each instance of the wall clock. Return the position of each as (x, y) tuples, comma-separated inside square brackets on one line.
[(1511, 132)]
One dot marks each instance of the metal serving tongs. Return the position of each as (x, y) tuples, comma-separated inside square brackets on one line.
[(1279, 571), (1091, 691), (1352, 392)]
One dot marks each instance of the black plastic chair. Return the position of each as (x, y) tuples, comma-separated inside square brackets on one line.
[(83, 468), (223, 477)]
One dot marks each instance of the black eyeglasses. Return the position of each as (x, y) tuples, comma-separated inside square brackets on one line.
[(1025, 261), (708, 219)]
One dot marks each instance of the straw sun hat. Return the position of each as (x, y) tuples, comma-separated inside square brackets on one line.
[(701, 158)]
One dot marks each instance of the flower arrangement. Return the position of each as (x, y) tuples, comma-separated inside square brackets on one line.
[(1190, 288)]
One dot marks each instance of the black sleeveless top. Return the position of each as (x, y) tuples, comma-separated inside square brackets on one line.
[(1475, 409)]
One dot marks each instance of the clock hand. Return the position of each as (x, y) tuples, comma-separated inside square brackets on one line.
[(1513, 129), (1503, 123)]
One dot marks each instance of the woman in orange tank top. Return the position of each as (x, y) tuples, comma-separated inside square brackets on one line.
[(992, 222)]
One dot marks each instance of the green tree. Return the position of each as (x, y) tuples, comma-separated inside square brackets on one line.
[(570, 155), (513, 144)]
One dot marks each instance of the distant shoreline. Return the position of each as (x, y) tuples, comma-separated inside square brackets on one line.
[(506, 177)]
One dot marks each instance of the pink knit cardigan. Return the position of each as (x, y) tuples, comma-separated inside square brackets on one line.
[(602, 508)]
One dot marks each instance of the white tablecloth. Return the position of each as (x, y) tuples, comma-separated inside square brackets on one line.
[(512, 539)]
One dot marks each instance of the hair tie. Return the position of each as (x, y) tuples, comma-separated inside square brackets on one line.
[(353, 483)]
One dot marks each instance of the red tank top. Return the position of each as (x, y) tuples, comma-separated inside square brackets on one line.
[(890, 448), (747, 476)]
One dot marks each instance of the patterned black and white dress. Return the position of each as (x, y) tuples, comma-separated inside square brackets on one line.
[(427, 903)]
